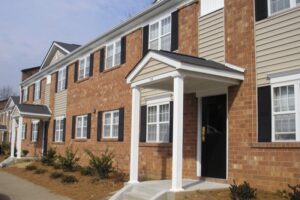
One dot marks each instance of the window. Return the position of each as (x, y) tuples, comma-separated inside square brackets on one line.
[(25, 94), (81, 127), (158, 120), (111, 124), (37, 90), (61, 79), (160, 35), (34, 131), (23, 131), (113, 57), (84, 67), (279, 5), (285, 112), (59, 129), (209, 6)]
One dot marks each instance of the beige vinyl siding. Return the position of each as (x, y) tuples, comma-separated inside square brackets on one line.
[(153, 68), (59, 54), (60, 103), (277, 44), (147, 94), (47, 95), (211, 36)]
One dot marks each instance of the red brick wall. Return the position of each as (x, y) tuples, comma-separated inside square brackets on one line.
[(27, 73)]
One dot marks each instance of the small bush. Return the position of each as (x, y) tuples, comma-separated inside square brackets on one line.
[(50, 157), (295, 194), (40, 171), (31, 167), (5, 148), (25, 152), (69, 161), (103, 165), (56, 166), (69, 179), (56, 175), (87, 171), (242, 192)]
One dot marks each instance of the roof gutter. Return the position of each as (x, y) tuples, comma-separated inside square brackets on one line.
[(120, 29)]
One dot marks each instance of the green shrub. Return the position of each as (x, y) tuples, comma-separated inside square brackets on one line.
[(295, 194), (103, 165), (40, 171), (56, 175), (242, 192), (69, 179), (5, 148), (25, 152), (87, 171), (50, 157), (31, 167), (69, 161), (56, 166)]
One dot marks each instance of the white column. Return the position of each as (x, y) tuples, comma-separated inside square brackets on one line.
[(177, 134), (135, 124), (19, 138), (13, 138)]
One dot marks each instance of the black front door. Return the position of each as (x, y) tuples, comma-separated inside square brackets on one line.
[(213, 137)]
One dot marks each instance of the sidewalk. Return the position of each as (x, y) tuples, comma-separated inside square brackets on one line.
[(15, 188)]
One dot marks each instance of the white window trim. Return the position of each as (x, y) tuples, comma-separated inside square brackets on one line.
[(296, 84), (114, 44), (25, 94), (60, 130), (60, 79), (37, 94), (85, 67), (157, 103), (110, 125), (159, 30), (81, 135), (35, 133), (23, 131), (293, 3)]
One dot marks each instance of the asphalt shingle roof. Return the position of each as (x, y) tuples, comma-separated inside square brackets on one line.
[(69, 47), (36, 109), (2, 127)]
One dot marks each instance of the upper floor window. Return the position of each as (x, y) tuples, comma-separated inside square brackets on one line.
[(34, 131), (61, 82), (158, 122), (113, 57), (25, 94), (279, 5), (160, 34), (84, 67), (81, 127), (111, 124), (59, 129), (37, 90)]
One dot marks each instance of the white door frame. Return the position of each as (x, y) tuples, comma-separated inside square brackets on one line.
[(200, 95)]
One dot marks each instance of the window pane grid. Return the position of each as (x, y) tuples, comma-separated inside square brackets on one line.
[(81, 127), (113, 57), (37, 91), (111, 124), (59, 126), (160, 35), (84, 67), (279, 5), (34, 132)]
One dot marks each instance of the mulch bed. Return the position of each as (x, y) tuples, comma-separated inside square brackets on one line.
[(221, 195), (87, 188)]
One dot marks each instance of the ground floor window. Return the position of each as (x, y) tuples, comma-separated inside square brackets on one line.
[(34, 132), (111, 124), (23, 131), (81, 127), (158, 123), (59, 129)]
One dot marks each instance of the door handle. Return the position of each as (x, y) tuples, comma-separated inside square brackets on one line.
[(203, 133)]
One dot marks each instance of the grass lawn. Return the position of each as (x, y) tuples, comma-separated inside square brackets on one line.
[(221, 195), (86, 188)]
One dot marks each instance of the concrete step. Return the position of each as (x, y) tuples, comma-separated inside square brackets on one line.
[(136, 196), (150, 190)]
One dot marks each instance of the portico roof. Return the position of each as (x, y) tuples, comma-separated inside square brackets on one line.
[(32, 111)]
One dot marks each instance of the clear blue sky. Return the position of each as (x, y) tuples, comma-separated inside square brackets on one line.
[(28, 27)]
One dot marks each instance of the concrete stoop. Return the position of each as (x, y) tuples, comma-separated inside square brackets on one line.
[(7, 162)]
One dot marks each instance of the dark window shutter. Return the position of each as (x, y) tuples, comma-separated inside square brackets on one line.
[(40, 95), (73, 126), (145, 40), (38, 132), (33, 92), (171, 122), (25, 134), (76, 71), (99, 126), (22, 94), (64, 129), (54, 127), (143, 127), (91, 64), (67, 77), (174, 40), (27, 96), (264, 114), (123, 50), (31, 132), (261, 9), (56, 82), (121, 124), (102, 59), (89, 119)]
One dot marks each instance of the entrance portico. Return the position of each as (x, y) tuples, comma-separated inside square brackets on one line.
[(179, 74), (30, 111)]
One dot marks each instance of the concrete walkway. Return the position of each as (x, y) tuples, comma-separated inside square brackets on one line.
[(15, 188)]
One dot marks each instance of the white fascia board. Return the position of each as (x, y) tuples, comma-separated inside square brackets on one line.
[(235, 67), (13, 111), (65, 50), (145, 60), (285, 78)]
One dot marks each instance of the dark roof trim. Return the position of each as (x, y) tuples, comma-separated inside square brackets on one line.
[(68, 47)]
